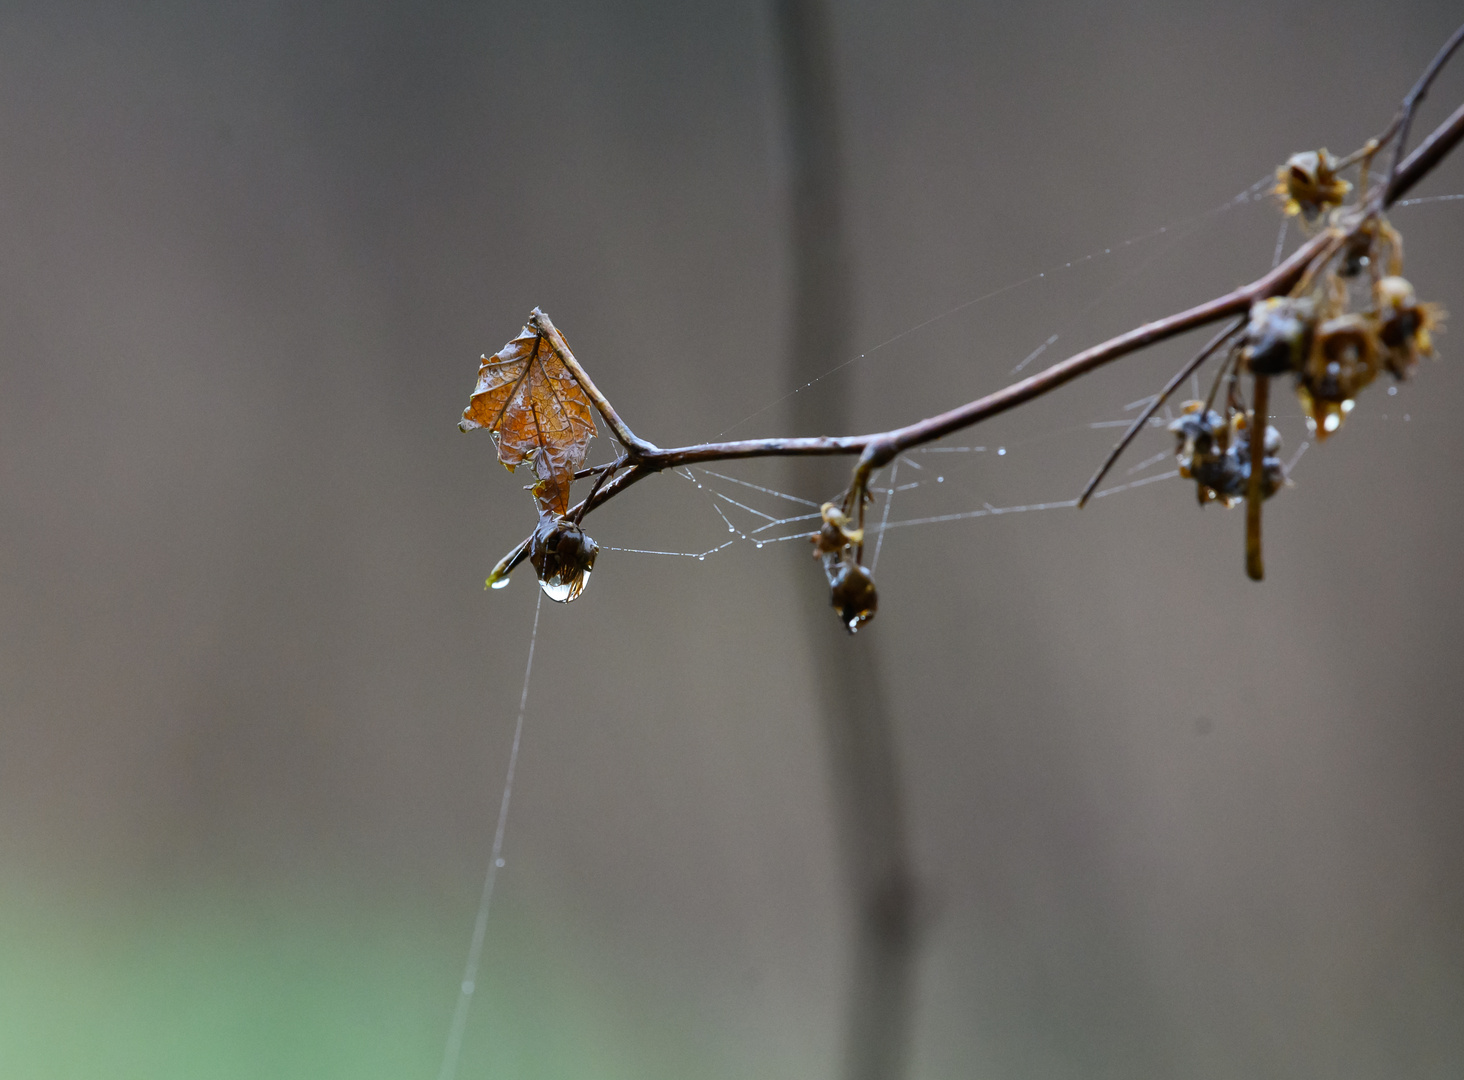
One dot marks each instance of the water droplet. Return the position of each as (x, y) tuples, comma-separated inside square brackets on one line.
[(497, 862), (1001, 451), (940, 479), (468, 986), (1348, 405), (701, 558), (498, 583), (557, 590), (731, 528), (759, 543), (1392, 391), (562, 557), (1332, 422)]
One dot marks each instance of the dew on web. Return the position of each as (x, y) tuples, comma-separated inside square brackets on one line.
[(754, 514), (1184, 228)]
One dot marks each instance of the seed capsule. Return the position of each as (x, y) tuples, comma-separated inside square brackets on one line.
[(562, 555), (1215, 454), (1279, 335), (1344, 359), (1309, 184), (1406, 326), (851, 591)]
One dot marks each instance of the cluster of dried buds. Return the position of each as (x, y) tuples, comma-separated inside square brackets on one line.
[(1335, 339), (1333, 345), (838, 545), (1215, 453), (1352, 316)]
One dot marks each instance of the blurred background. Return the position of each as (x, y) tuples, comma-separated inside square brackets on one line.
[(255, 707)]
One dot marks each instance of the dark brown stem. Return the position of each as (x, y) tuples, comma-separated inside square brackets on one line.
[(1410, 103), (605, 473), (635, 447), (1260, 416), (1429, 153)]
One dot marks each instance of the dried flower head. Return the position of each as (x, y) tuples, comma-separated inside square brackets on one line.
[(1279, 334), (1344, 358), (1309, 184), (1406, 327), (835, 534), (1215, 453)]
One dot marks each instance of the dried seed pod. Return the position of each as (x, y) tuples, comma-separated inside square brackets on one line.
[(1279, 334), (563, 556), (1405, 326), (1215, 453), (851, 591), (1344, 359), (1309, 184), (1365, 247), (834, 535)]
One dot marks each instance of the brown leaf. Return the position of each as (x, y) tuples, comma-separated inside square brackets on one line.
[(537, 412)]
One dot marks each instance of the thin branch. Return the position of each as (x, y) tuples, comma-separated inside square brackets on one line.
[(1255, 497), (1154, 406), (635, 447), (1410, 103), (877, 449), (1430, 152)]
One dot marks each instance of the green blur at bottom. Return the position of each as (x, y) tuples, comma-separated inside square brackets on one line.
[(223, 988)]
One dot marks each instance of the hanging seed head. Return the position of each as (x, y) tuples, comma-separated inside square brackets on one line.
[(834, 535), (851, 591), (1344, 358), (1308, 184), (563, 556), (1406, 327), (1279, 334)]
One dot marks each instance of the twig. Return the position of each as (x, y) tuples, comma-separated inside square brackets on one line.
[(877, 449), (1410, 102), (1154, 406), (635, 448)]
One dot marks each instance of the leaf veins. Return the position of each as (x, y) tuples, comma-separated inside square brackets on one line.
[(537, 412)]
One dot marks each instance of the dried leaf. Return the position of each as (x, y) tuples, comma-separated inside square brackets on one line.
[(537, 412)]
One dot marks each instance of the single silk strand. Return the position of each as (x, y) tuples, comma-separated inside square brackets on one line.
[(480, 927)]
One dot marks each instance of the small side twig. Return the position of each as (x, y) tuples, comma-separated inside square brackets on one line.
[(1255, 567), (1158, 403), (636, 448)]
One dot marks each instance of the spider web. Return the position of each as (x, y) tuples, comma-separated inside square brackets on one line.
[(950, 483), (946, 483)]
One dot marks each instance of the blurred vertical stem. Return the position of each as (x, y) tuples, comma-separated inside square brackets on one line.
[(869, 810)]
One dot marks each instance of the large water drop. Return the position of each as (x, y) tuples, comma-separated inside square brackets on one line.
[(562, 556)]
